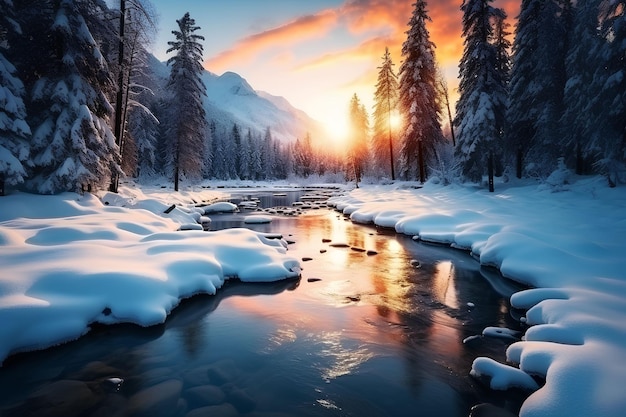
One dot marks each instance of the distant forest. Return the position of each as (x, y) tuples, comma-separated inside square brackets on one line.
[(81, 106)]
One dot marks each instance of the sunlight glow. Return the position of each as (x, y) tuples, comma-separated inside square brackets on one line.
[(338, 130), (395, 120)]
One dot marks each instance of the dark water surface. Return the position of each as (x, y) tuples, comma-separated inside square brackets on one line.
[(376, 333)]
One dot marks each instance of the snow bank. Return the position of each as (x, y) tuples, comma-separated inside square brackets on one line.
[(69, 260), (569, 245)]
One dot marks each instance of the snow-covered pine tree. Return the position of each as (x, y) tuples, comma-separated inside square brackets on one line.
[(583, 38), (257, 172), (608, 101), (236, 137), (245, 150), (207, 155), (188, 90), (143, 129), (283, 160), (14, 130), (136, 86), (481, 109), (420, 106), (72, 144), (303, 157), (537, 84), (268, 157), (359, 134), (385, 105), (219, 165)]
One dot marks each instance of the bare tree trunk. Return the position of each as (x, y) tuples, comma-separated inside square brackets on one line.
[(120, 89)]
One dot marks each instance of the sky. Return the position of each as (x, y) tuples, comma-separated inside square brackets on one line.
[(316, 54)]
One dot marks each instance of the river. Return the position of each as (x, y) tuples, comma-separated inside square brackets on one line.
[(375, 327)]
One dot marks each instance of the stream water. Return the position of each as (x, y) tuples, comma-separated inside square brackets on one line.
[(374, 327)]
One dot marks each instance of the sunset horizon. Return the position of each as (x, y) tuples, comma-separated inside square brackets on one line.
[(318, 56)]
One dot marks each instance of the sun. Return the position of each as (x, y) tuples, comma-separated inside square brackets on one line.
[(338, 130)]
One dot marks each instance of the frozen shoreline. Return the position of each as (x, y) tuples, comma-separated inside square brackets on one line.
[(73, 260), (568, 246)]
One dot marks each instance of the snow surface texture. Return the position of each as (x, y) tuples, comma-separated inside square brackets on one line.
[(71, 260), (568, 245)]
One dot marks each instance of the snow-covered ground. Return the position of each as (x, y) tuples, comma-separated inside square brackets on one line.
[(71, 260), (570, 246)]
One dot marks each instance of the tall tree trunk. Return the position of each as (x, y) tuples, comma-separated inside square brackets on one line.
[(120, 89), (393, 172), (490, 172), (420, 153)]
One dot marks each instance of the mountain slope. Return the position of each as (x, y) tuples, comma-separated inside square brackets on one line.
[(231, 99)]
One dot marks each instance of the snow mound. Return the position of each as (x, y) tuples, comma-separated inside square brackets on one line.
[(81, 262), (257, 219), (566, 239)]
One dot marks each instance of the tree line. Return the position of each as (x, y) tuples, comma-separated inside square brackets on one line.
[(79, 106), (554, 97)]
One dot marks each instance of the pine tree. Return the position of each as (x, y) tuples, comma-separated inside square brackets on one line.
[(359, 134), (583, 38), (245, 157), (143, 128), (385, 106), (187, 89), (268, 157), (236, 137), (420, 106), (14, 130), (608, 100), (537, 84), (481, 109), (137, 28), (72, 144), (303, 157), (257, 172)]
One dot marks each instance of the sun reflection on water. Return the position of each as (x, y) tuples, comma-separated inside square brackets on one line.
[(336, 355), (444, 288)]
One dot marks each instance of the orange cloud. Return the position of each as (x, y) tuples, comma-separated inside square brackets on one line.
[(302, 28), (371, 49)]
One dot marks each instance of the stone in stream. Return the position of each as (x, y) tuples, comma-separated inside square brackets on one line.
[(65, 398), (240, 400), (357, 249), (306, 259), (339, 245), (326, 240), (113, 405), (371, 252), (313, 279), (96, 369), (322, 250), (160, 399), (204, 395), (223, 372)]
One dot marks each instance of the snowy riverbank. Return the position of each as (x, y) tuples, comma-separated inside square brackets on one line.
[(570, 245), (71, 260)]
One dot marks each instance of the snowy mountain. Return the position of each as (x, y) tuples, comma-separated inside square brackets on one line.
[(231, 99)]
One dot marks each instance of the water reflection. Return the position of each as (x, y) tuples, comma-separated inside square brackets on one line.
[(444, 284), (374, 336)]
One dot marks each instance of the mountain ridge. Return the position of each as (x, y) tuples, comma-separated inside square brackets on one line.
[(232, 100)]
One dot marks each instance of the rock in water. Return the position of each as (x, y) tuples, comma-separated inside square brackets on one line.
[(160, 399)]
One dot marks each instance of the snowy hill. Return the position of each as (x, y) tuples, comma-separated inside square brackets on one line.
[(231, 99)]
